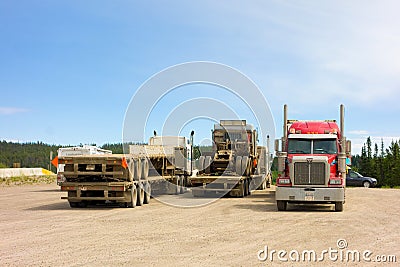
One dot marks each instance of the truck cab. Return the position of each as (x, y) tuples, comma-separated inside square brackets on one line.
[(312, 163)]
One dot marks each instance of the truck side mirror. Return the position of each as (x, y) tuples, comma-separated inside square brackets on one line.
[(276, 145), (348, 147)]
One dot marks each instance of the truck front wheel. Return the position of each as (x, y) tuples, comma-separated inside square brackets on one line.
[(339, 206), (281, 204)]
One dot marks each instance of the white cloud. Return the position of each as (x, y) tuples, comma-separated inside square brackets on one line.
[(340, 50), (11, 110)]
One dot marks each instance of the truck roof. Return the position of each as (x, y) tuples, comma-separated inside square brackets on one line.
[(314, 127)]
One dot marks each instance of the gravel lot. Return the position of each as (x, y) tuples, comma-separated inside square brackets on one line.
[(38, 228)]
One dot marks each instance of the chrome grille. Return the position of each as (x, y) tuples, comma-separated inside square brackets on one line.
[(309, 173)]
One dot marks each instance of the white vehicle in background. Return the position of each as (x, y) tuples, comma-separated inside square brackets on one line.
[(76, 151)]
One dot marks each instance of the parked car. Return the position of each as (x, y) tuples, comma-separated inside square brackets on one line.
[(355, 179)]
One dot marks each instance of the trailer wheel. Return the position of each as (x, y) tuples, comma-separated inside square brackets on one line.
[(133, 201), (339, 206), (138, 169), (140, 195), (281, 204), (207, 165), (145, 169), (238, 165), (201, 163), (147, 193), (245, 161)]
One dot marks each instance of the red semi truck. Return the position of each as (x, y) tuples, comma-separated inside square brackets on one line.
[(312, 162)]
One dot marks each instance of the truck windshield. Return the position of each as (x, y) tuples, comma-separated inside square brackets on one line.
[(317, 146)]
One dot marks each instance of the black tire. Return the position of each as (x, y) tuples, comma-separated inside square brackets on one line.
[(147, 193), (140, 195), (73, 204), (281, 204), (367, 184), (339, 206), (133, 201)]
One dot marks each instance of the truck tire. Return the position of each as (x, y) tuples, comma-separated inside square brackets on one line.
[(201, 163), (138, 169), (339, 206), (140, 195), (147, 193), (238, 165), (207, 165), (133, 201), (281, 204), (248, 187), (245, 164), (145, 169)]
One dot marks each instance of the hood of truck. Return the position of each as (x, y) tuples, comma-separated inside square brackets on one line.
[(330, 157)]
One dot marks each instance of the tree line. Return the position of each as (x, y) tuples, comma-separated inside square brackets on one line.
[(379, 162), (34, 155)]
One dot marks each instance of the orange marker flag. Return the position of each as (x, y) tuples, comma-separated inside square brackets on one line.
[(55, 162)]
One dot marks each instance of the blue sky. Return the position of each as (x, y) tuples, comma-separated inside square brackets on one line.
[(68, 69)]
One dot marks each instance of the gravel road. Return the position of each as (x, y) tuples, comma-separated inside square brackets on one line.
[(40, 229)]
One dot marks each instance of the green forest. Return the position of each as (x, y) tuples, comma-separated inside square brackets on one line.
[(375, 160), (30, 155), (379, 162)]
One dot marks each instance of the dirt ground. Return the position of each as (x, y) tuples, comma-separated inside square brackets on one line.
[(38, 228)]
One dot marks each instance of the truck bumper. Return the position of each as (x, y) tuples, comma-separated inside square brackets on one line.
[(314, 195)]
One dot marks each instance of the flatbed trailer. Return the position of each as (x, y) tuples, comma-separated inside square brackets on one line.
[(116, 178)]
